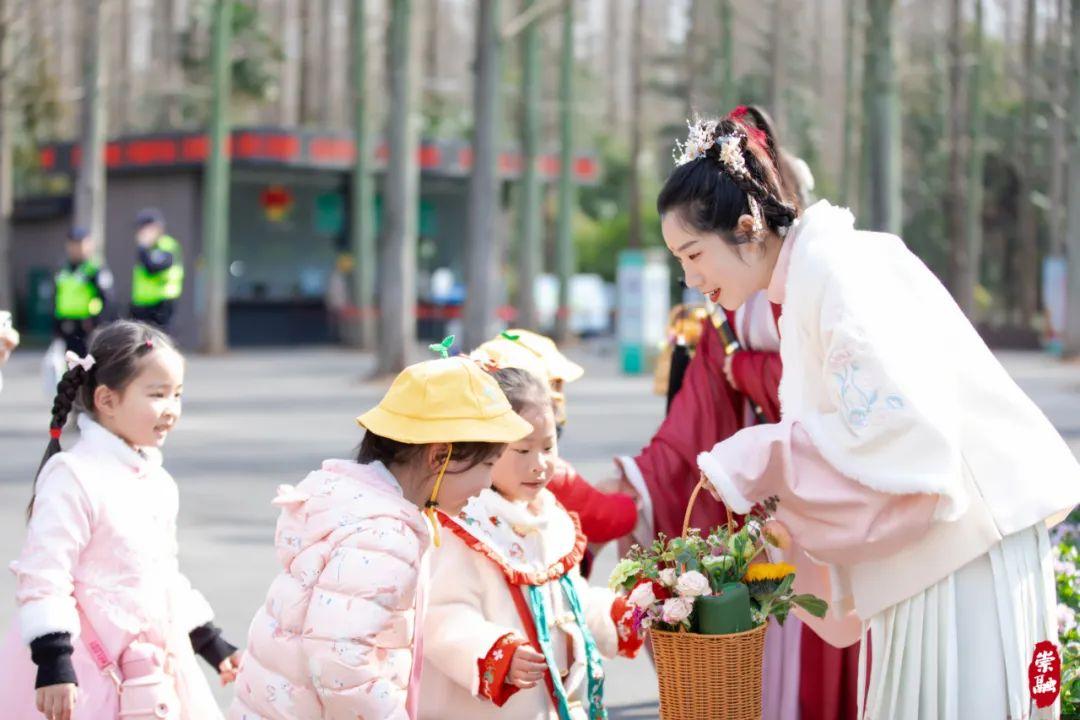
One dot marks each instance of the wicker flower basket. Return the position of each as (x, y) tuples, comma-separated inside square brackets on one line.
[(717, 677)]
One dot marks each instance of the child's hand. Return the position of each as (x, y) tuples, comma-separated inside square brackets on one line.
[(229, 667), (527, 668), (57, 702)]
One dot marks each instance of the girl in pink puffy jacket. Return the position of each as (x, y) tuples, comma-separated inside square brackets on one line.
[(101, 555), (340, 633)]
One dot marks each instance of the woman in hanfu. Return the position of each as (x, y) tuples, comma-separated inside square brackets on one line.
[(917, 486), (805, 677)]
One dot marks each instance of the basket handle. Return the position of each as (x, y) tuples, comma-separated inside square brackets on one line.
[(690, 508)]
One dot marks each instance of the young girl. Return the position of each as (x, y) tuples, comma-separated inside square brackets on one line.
[(512, 629), (604, 516), (100, 556), (339, 635), (924, 479)]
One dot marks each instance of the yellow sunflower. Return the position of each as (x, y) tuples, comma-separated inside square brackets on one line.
[(768, 571)]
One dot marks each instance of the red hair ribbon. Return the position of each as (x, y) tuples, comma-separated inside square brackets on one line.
[(55, 432), (756, 135)]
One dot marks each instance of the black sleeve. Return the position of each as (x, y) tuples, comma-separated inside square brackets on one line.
[(155, 260), (208, 644), (52, 655)]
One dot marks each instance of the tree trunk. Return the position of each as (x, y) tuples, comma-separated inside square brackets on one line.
[(1072, 315), (216, 183), (1058, 100), (881, 141), (482, 242), (727, 56), (89, 210), (690, 67), (614, 15), (779, 47), (849, 162), (530, 252), (637, 50), (7, 276), (292, 46), (955, 214), (329, 115), (973, 223), (314, 77), (362, 216), (564, 241), (397, 276), (1025, 258)]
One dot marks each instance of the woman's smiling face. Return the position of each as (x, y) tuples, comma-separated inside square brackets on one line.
[(727, 274)]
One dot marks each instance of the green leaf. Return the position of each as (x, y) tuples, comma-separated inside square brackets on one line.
[(443, 349), (811, 604), (513, 337)]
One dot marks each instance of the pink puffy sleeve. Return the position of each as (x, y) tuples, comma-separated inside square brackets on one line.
[(834, 518), (58, 530)]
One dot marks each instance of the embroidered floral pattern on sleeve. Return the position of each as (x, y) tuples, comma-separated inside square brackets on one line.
[(495, 666), (630, 635), (857, 402)]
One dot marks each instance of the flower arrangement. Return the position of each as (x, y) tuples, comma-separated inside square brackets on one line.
[(713, 584), (1066, 562)]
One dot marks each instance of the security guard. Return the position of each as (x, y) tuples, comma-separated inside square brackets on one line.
[(82, 291), (158, 278)]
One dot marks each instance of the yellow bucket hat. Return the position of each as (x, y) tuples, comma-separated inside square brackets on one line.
[(445, 401), (559, 367), (504, 353)]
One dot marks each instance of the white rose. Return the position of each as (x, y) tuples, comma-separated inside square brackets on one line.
[(677, 609), (692, 584), (667, 577), (642, 596)]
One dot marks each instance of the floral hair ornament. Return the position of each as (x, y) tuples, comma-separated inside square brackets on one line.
[(73, 361), (701, 135)]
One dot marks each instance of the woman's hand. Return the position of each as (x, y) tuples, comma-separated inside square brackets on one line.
[(729, 361), (57, 702), (527, 668), (229, 667)]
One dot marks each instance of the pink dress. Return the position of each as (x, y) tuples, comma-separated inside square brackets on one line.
[(102, 539)]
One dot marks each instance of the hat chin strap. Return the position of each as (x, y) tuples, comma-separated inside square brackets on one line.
[(433, 501)]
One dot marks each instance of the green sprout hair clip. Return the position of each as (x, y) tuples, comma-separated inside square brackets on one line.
[(443, 349), (507, 335)]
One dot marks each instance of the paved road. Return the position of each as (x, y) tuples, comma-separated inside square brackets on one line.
[(254, 420)]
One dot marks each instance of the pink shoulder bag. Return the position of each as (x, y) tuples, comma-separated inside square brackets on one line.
[(146, 691)]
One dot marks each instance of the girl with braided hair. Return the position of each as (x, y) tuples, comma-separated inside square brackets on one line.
[(917, 487), (98, 583)]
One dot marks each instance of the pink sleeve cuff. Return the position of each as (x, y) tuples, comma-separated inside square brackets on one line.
[(723, 482)]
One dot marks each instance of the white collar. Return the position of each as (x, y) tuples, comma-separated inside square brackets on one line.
[(517, 512), (385, 474), (97, 436)]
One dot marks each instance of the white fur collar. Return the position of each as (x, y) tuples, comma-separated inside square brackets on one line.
[(530, 548)]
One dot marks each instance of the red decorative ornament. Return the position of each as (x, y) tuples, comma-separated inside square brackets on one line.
[(55, 432), (1044, 674), (277, 202), (756, 136)]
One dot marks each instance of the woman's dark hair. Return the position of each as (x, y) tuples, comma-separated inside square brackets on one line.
[(375, 447), (522, 388), (710, 199), (117, 349)]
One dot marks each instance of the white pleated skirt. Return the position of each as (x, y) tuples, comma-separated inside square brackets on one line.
[(960, 649)]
